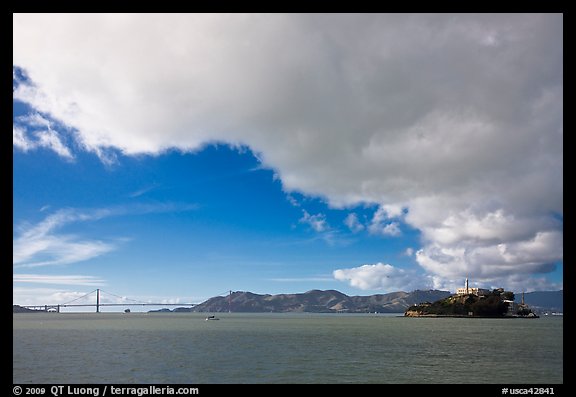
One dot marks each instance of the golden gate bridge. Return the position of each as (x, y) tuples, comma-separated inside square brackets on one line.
[(99, 303)]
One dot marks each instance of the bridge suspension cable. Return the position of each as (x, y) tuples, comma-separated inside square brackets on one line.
[(83, 296), (123, 298)]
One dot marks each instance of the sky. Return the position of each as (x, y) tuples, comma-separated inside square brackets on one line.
[(174, 157)]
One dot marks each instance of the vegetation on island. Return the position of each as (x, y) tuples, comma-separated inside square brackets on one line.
[(497, 303)]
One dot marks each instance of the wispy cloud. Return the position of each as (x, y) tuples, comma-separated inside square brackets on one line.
[(20, 139), (59, 279), (323, 230), (42, 136), (354, 223), (42, 296), (42, 244), (317, 222), (144, 190), (292, 200)]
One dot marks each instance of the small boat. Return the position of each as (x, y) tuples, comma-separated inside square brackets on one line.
[(212, 318)]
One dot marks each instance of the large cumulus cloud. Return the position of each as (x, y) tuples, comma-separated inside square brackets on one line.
[(456, 119), (380, 276)]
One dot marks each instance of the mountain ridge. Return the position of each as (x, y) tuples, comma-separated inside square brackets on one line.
[(318, 301), (333, 301)]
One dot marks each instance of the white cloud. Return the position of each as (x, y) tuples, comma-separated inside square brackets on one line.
[(391, 279), (389, 211), (292, 200), (53, 296), (143, 190), (391, 229), (20, 139), (429, 116), (49, 139), (43, 296), (58, 279), (316, 222), (381, 225), (40, 245), (46, 138), (526, 283), (485, 261), (353, 223), (381, 276)]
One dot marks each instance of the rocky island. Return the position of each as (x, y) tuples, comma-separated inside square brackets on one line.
[(473, 302)]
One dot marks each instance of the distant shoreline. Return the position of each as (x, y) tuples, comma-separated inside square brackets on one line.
[(333, 301)]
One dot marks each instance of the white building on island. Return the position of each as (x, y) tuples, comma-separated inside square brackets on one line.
[(471, 291)]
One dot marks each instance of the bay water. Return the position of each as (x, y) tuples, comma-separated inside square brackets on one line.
[(184, 348)]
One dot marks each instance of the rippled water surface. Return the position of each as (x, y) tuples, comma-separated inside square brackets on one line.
[(283, 348)]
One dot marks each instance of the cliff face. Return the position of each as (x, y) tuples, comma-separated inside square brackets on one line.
[(317, 301)]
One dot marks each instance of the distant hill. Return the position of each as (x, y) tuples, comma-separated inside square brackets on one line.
[(317, 301), (332, 301), (544, 301)]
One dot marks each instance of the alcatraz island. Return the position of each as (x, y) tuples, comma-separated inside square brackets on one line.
[(474, 302)]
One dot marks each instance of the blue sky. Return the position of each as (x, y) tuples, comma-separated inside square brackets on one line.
[(233, 152), (193, 225)]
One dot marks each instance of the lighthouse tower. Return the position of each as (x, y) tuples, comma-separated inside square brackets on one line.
[(471, 291)]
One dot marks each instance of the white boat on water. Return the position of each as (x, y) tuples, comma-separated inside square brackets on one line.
[(213, 317)]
